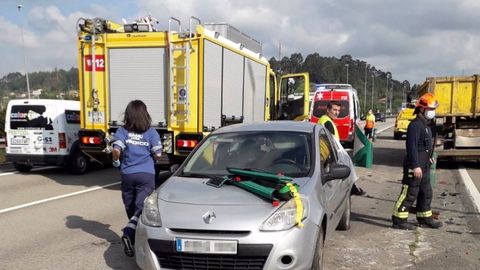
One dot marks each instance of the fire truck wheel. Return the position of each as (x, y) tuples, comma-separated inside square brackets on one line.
[(79, 163)]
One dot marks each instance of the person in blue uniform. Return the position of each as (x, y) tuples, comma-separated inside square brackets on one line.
[(135, 147)]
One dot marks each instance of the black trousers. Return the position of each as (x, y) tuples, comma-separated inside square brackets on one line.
[(414, 190)]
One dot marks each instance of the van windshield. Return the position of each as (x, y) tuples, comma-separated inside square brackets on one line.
[(29, 117), (320, 108)]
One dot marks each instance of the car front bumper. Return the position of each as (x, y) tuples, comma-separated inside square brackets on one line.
[(291, 249)]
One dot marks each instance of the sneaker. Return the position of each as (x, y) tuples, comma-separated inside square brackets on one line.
[(128, 247), (357, 191), (404, 226), (430, 223)]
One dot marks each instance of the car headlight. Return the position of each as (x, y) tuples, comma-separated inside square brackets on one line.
[(150, 213), (284, 217)]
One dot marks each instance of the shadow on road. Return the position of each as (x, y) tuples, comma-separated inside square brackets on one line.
[(114, 256), (372, 220), (389, 156)]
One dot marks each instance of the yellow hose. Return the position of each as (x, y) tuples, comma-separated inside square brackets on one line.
[(298, 203)]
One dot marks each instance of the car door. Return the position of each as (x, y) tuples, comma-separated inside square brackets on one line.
[(333, 190)]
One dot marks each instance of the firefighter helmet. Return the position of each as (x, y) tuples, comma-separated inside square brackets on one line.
[(427, 101)]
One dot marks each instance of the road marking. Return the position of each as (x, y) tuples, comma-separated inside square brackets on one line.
[(472, 189), (55, 198), (33, 170), (383, 129)]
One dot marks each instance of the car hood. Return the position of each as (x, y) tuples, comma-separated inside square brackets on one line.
[(191, 204), (190, 190)]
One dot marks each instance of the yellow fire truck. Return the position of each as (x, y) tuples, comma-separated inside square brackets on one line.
[(193, 81)]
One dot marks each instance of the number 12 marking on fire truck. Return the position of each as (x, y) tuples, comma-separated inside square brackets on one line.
[(99, 62)]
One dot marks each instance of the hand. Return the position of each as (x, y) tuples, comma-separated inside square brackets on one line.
[(417, 172), (116, 163)]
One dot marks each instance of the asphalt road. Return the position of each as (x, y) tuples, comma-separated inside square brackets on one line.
[(53, 220)]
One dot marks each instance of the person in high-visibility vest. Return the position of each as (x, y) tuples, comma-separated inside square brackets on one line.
[(333, 110), (369, 124)]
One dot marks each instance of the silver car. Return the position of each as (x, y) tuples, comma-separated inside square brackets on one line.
[(202, 218)]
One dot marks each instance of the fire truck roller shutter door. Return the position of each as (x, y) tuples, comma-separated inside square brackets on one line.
[(233, 73), (254, 91), (212, 85), (134, 72)]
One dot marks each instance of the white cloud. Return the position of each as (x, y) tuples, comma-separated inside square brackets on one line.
[(412, 39)]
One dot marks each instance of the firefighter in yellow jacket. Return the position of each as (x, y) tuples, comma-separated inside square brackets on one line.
[(416, 169)]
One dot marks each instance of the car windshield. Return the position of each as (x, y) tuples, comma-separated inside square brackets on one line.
[(320, 108), (280, 152)]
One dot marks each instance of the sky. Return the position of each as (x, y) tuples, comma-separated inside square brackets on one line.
[(413, 39)]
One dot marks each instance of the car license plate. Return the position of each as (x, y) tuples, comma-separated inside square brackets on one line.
[(206, 246), (20, 140)]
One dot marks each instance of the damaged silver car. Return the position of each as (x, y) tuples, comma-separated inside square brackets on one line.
[(250, 196)]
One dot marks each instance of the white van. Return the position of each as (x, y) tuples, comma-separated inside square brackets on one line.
[(43, 132)]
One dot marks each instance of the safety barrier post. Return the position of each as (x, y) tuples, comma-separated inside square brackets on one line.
[(362, 149)]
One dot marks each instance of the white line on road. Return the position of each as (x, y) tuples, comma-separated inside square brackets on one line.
[(383, 129), (33, 170), (472, 189), (55, 198)]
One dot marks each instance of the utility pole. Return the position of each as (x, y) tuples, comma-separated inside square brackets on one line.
[(373, 89), (365, 91), (347, 72), (279, 50), (386, 93), (19, 7)]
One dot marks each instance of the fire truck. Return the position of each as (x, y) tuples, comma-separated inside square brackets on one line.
[(193, 81)]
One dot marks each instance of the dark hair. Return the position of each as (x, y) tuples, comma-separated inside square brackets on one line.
[(136, 117), (331, 103)]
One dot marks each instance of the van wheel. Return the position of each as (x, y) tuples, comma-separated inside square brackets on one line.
[(22, 167), (79, 163), (317, 263), (344, 224)]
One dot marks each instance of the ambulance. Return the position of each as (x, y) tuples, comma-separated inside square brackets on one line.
[(43, 132), (349, 115)]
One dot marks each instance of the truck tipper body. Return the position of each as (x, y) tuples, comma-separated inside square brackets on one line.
[(457, 116)]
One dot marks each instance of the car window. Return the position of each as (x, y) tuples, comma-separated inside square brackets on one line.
[(285, 152), (327, 152), (320, 108)]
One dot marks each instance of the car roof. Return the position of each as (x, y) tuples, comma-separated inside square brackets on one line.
[(294, 126)]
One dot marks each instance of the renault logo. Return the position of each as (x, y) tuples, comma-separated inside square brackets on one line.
[(208, 217)]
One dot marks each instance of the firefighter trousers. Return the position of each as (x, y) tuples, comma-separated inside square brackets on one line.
[(412, 189)]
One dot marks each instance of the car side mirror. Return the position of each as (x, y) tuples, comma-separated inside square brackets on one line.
[(338, 171)]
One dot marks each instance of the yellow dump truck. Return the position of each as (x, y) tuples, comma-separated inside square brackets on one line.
[(193, 81), (457, 116)]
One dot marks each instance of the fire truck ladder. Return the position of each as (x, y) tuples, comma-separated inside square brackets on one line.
[(180, 71)]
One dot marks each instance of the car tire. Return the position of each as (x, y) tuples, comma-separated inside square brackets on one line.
[(344, 224), (22, 167), (397, 135), (317, 263), (79, 163)]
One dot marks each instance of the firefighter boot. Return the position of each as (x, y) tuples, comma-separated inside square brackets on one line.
[(429, 223), (402, 224)]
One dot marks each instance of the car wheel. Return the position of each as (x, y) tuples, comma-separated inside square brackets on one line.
[(344, 224), (79, 163), (22, 167), (317, 263)]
